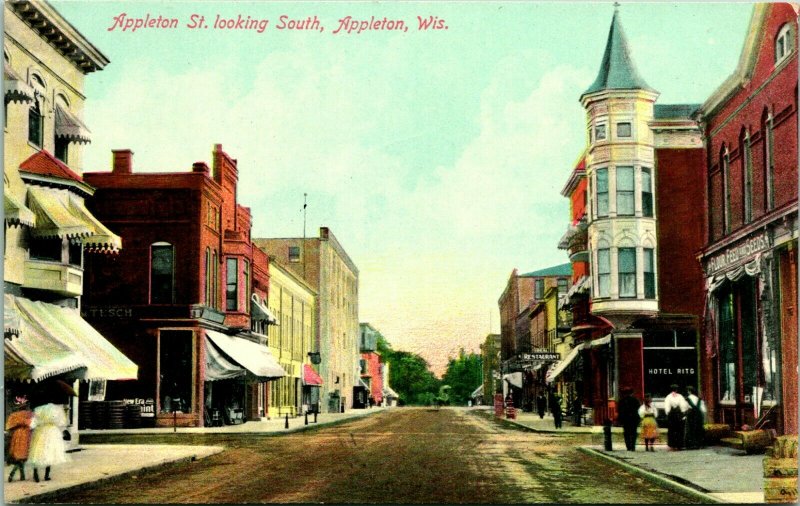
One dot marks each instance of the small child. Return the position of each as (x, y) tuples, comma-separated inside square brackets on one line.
[(19, 425), (648, 414)]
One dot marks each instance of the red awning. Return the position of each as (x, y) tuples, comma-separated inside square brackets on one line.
[(310, 376)]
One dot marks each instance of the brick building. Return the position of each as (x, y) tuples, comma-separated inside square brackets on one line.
[(371, 365), (749, 257), (195, 322)]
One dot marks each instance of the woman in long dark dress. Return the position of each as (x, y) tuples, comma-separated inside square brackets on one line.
[(695, 417), (675, 407)]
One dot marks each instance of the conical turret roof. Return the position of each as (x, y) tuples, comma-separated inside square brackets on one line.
[(617, 71)]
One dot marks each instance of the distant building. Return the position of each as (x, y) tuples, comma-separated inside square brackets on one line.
[(524, 330), (293, 302), (371, 370), (490, 361), (324, 264), (749, 255)]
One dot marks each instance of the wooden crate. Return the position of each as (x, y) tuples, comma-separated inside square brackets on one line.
[(780, 468), (780, 490)]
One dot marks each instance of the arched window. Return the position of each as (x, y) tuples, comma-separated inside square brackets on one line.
[(603, 272), (747, 174), (769, 164), (61, 143), (162, 273), (36, 111), (783, 43), (208, 275), (649, 270), (726, 189)]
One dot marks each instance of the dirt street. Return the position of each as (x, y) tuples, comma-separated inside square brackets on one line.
[(399, 456)]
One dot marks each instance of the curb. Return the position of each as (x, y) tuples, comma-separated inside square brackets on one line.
[(101, 437), (527, 428), (52, 494), (653, 477)]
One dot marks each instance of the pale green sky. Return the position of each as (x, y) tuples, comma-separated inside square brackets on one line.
[(435, 157)]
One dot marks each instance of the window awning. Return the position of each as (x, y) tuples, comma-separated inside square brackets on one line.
[(256, 358), (218, 367), (553, 373), (64, 325), (61, 214), (514, 378), (69, 127), (310, 376), (17, 90), (362, 384), (15, 211), (30, 352), (260, 311)]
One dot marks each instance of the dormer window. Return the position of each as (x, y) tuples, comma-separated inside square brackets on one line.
[(783, 43)]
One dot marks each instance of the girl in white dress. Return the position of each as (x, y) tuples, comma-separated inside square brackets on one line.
[(47, 440)]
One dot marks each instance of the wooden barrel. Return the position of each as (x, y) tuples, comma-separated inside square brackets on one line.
[(780, 471), (99, 415), (116, 414), (85, 415), (133, 416)]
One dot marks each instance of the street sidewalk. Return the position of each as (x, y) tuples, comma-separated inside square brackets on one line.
[(95, 462), (712, 474)]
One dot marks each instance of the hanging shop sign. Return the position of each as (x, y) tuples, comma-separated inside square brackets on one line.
[(738, 253)]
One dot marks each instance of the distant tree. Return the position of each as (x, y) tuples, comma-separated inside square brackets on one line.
[(463, 375), (410, 376)]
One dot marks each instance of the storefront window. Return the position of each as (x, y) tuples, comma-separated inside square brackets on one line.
[(175, 366), (727, 347), (749, 337)]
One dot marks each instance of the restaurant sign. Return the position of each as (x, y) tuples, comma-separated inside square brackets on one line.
[(738, 253)]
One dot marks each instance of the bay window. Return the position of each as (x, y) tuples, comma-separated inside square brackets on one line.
[(603, 272), (625, 191), (649, 273), (602, 192), (232, 284), (647, 193), (626, 264)]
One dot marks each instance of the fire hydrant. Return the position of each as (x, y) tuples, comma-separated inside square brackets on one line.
[(607, 435)]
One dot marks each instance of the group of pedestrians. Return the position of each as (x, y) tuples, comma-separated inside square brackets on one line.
[(685, 419), (36, 438)]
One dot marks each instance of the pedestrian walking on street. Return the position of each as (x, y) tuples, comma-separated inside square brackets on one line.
[(629, 417), (556, 409), (47, 441), (675, 407), (19, 427), (541, 404), (648, 413), (695, 418), (577, 411)]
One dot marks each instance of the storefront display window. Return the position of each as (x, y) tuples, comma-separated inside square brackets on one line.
[(727, 347), (749, 337), (175, 366)]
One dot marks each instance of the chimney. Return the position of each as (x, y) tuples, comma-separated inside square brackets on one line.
[(123, 161), (200, 167), (217, 163)]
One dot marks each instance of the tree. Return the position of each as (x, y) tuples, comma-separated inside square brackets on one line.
[(410, 376), (463, 375)]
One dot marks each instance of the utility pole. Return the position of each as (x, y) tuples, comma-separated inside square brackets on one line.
[(305, 205)]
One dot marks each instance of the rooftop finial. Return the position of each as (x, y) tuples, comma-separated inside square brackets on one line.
[(616, 6)]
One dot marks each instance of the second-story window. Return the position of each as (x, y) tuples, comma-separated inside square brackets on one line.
[(232, 284), (562, 285), (625, 190), (627, 272), (162, 273), (647, 193), (246, 286), (726, 193), (783, 43), (538, 292), (766, 127), (603, 272), (294, 253), (36, 122), (602, 192), (747, 172), (649, 273)]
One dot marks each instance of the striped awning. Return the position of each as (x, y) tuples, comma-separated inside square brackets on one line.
[(31, 353), (15, 211), (65, 326), (60, 213), (69, 127), (17, 90), (256, 358)]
